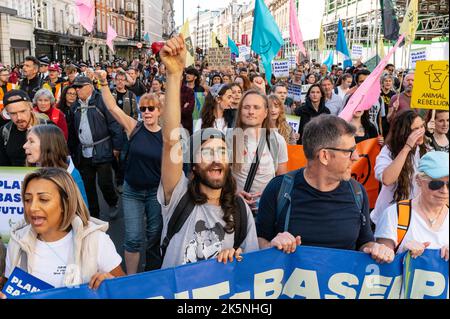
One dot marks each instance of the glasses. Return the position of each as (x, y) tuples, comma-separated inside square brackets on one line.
[(143, 109), (351, 151), (435, 185)]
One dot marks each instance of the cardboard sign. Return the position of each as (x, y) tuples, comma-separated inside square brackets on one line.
[(293, 121), (357, 51), (417, 55), (430, 89), (280, 68), (219, 58), (21, 282), (292, 62), (295, 92)]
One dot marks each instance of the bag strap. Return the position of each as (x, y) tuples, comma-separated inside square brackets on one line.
[(255, 164), (359, 198), (6, 131), (23, 260), (404, 219), (177, 220), (284, 200), (241, 222)]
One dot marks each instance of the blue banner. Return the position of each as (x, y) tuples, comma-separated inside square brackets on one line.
[(310, 272), (21, 282)]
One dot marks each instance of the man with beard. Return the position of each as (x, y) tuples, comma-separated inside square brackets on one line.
[(14, 133), (326, 207), (402, 101), (210, 190)]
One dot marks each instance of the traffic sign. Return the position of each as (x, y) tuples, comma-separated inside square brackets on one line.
[(139, 45)]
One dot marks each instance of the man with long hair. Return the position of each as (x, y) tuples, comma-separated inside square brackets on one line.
[(211, 227)]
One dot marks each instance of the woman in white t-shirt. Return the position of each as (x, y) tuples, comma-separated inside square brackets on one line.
[(217, 102), (58, 242), (428, 223), (397, 162)]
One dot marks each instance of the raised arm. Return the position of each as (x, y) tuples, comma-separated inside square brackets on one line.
[(127, 122), (173, 55)]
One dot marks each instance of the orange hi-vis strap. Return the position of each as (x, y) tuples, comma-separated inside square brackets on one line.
[(404, 219)]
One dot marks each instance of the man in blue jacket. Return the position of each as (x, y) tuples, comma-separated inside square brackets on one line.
[(98, 140)]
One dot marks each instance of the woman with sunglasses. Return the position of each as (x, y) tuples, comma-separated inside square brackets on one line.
[(428, 212), (142, 177)]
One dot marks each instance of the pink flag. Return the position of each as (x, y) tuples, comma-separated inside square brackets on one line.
[(369, 92), (86, 13), (294, 29), (110, 36)]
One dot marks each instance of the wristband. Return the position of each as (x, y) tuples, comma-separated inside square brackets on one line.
[(103, 83)]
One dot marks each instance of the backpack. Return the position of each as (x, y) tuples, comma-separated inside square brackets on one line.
[(404, 219), (184, 210), (284, 200), (6, 130)]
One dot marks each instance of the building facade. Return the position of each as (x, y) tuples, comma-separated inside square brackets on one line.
[(16, 30), (57, 33)]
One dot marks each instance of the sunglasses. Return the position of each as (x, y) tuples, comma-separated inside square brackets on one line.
[(143, 109), (435, 185)]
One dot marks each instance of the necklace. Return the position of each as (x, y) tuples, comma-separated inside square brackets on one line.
[(432, 221), (54, 252)]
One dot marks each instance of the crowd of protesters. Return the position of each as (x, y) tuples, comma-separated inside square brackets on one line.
[(199, 156)]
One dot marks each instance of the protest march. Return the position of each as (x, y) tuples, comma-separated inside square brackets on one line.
[(246, 168)]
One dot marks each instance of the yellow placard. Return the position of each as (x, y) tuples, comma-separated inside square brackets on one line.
[(430, 89)]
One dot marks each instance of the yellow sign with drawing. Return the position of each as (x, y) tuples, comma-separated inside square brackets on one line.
[(431, 85)]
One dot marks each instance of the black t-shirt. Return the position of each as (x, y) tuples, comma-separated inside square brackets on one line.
[(143, 169), (120, 98), (13, 154), (323, 219)]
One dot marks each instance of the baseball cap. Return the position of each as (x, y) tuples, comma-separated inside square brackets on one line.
[(54, 67), (15, 96), (81, 81), (434, 164)]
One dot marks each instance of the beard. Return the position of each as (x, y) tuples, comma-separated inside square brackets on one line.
[(202, 175)]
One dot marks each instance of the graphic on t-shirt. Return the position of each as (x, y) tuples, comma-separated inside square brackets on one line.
[(206, 244)]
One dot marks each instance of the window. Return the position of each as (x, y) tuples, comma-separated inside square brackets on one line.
[(63, 27), (54, 19)]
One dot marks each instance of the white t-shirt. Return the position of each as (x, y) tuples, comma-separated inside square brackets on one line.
[(386, 196), (202, 236), (51, 259), (418, 229), (266, 169), (219, 124)]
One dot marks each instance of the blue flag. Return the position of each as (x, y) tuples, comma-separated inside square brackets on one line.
[(233, 46), (266, 39), (329, 61), (341, 46), (147, 37)]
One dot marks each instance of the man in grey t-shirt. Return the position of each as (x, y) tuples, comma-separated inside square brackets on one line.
[(209, 230)]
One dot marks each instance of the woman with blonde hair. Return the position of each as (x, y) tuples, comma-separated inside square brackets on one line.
[(277, 120), (142, 177), (58, 242)]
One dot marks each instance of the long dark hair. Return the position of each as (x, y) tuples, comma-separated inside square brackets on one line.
[(208, 116), (62, 105), (322, 98), (396, 140), (227, 198)]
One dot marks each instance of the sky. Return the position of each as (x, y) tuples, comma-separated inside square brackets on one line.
[(190, 8)]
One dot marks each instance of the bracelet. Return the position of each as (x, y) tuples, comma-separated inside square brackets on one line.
[(409, 146), (103, 83)]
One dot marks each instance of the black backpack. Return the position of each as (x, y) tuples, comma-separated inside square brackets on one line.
[(184, 210)]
